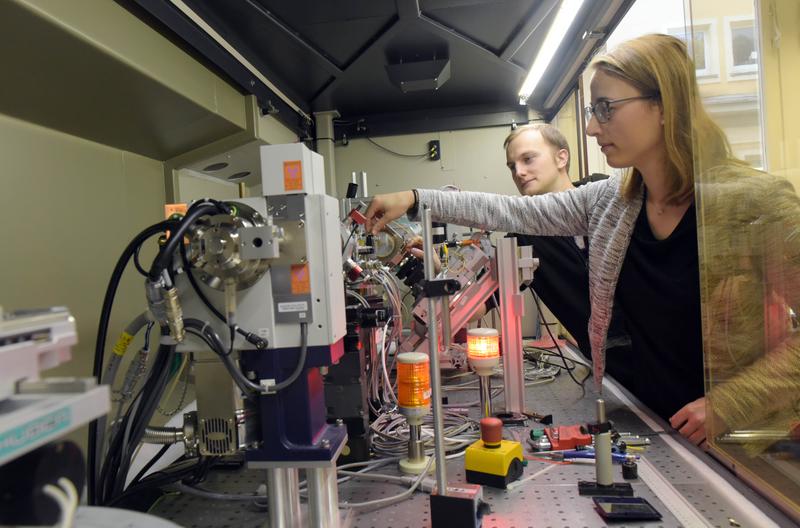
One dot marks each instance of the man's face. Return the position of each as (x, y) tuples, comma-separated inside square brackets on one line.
[(534, 163)]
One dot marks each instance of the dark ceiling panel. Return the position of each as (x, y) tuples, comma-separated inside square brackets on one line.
[(340, 28), (286, 62), (490, 23), (332, 55), (526, 53), (366, 89)]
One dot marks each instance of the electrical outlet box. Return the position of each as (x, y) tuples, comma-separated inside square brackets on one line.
[(434, 150)]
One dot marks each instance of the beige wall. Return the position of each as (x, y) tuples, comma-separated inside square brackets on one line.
[(567, 122), (195, 187), (473, 160), (68, 207), (68, 204)]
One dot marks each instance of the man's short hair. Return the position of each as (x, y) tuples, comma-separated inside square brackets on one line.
[(551, 135)]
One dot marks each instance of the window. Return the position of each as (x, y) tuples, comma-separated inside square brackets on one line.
[(702, 43), (741, 48)]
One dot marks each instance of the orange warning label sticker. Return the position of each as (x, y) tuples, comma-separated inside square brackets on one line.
[(176, 208), (293, 175), (171, 209), (301, 282)]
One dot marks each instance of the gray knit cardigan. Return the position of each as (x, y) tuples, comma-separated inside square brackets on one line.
[(596, 210)]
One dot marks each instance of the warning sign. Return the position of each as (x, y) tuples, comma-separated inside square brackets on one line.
[(175, 208), (293, 175), (301, 282)]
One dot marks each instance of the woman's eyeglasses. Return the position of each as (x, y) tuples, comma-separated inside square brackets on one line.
[(602, 109)]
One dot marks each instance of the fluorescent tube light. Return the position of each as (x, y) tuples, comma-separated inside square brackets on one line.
[(564, 18)]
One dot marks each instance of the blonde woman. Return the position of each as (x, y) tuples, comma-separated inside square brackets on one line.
[(642, 230)]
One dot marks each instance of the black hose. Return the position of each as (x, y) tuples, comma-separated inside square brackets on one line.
[(123, 444), (164, 256), (102, 334), (250, 337), (137, 264), (150, 464), (301, 362), (151, 394), (161, 262), (207, 334), (162, 478), (210, 337)]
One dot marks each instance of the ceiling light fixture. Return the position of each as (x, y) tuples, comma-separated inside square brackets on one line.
[(564, 18)]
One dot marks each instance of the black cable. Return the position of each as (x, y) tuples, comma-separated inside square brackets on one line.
[(152, 396), (210, 337), (146, 346), (129, 434), (102, 334), (159, 479), (114, 453), (187, 269), (539, 359), (250, 337), (136, 262), (164, 257), (582, 383), (150, 464), (207, 334), (352, 232), (301, 361), (390, 151)]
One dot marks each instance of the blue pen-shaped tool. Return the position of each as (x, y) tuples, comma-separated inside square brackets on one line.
[(589, 453)]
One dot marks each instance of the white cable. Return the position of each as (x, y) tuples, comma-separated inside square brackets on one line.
[(386, 380), (529, 478), (66, 496), (358, 297), (389, 500), (72, 495)]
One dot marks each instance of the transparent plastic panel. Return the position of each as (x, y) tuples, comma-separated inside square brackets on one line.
[(746, 159)]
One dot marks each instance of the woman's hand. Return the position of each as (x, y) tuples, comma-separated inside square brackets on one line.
[(690, 422), (387, 207)]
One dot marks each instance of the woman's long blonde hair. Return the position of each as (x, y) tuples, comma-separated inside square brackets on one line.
[(660, 64)]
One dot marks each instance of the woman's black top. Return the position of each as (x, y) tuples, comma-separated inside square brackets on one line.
[(659, 295)]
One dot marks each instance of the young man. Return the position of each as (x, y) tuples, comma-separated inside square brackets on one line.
[(538, 157)]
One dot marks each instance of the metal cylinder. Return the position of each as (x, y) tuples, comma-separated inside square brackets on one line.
[(446, 327), (486, 395), (602, 450), (293, 491), (415, 449), (433, 344), (323, 497), (601, 410), (283, 496)]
